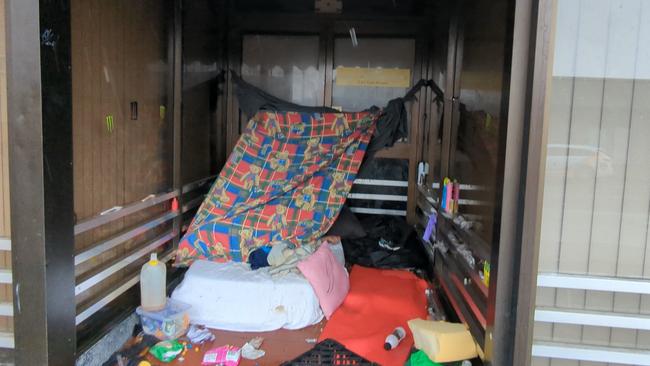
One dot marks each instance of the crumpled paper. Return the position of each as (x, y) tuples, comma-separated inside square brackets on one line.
[(251, 351)]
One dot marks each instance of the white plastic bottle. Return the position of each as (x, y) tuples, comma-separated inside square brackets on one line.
[(153, 293), (394, 338)]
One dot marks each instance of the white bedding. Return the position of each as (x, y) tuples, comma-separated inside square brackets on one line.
[(231, 296)]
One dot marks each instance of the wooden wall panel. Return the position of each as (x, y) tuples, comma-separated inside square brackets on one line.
[(146, 142), (119, 56)]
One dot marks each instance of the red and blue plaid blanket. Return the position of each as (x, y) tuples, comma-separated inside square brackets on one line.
[(285, 180)]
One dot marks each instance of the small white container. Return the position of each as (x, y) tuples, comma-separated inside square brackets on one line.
[(153, 289)]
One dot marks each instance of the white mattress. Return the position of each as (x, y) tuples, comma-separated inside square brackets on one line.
[(231, 296)]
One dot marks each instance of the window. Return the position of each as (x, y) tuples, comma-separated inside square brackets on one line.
[(596, 208), (284, 66), (385, 57)]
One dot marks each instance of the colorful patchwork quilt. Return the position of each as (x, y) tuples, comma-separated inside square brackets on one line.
[(286, 180)]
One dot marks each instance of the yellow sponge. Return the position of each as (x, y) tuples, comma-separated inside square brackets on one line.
[(443, 341)]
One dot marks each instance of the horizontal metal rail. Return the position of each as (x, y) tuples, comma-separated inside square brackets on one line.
[(593, 318), (5, 276), (100, 220), (122, 263), (594, 283), (193, 203), (6, 340), (99, 304), (473, 306), (429, 196), (159, 198), (377, 197), (598, 354), (5, 244), (476, 243), (461, 201), (468, 202), (196, 184), (465, 187), (6, 309), (426, 207), (378, 211), (121, 238), (381, 182), (119, 212)]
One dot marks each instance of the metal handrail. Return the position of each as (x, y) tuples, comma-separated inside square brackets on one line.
[(122, 263), (118, 212), (122, 237)]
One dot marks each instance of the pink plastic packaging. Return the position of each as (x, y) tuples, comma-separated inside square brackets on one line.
[(225, 355)]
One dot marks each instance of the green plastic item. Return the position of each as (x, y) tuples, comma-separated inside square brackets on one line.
[(420, 358), (166, 351)]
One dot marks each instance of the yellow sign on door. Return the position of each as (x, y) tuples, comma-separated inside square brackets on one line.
[(378, 77)]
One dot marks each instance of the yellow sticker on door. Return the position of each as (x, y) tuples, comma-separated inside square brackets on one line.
[(377, 77)]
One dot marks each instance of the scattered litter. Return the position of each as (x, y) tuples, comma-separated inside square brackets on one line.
[(256, 342), (225, 355), (199, 335), (419, 358), (144, 363), (110, 210), (148, 197), (466, 253), (311, 340), (393, 339), (166, 351), (251, 350)]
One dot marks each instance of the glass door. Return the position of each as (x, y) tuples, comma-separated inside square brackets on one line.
[(593, 285)]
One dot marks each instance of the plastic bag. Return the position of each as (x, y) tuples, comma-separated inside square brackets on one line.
[(225, 355), (166, 351)]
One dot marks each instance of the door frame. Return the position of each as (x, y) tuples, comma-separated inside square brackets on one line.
[(39, 100), (523, 185)]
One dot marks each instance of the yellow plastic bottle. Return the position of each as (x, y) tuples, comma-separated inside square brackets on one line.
[(153, 291)]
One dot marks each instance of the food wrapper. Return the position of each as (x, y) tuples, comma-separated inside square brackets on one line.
[(166, 351), (225, 355)]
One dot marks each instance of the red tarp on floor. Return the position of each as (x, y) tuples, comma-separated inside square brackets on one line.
[(379, 301)]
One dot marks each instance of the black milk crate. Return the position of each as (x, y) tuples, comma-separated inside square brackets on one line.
[(329, 353)]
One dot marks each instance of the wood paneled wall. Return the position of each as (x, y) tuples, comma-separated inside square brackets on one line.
[(596, 209), (6, 323), (119, 56)]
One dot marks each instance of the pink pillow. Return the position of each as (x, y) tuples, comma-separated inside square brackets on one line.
[(328, 278)]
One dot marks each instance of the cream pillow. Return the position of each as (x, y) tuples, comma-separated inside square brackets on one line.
[(443, 341)]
